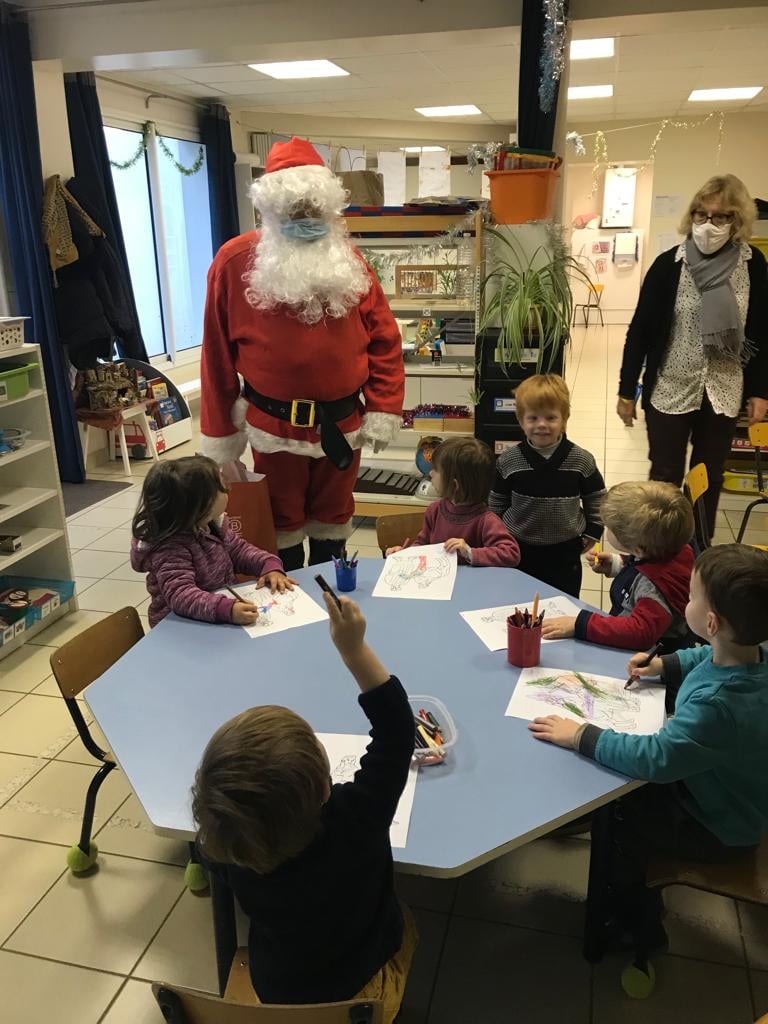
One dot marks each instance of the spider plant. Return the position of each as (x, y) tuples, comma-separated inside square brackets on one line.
[(528, 297)]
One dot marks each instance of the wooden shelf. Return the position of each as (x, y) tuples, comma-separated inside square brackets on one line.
[(37, 627), (21, 499), (32, 393), (30, 448), (32, 539)]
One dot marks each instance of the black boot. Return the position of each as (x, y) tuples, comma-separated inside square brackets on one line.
[(292, 558), (323, 550)]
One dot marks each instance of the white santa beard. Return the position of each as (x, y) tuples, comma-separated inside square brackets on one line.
[(322, 278)]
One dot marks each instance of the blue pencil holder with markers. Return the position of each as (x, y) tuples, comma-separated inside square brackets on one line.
[(346, 578)]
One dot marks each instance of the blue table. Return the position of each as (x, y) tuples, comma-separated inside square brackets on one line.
[(499, 789)]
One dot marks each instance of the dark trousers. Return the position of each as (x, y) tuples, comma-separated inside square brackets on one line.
[(650, 822), (559, 565), (710, 435)]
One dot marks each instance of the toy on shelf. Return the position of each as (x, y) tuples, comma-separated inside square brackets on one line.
[(112, 386)]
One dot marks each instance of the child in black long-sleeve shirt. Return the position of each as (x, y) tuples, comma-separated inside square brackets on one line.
[(310, 862)]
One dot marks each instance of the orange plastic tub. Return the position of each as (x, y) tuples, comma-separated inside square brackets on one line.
[(521, 196)]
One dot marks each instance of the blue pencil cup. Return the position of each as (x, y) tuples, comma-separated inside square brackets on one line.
[(346, 579)]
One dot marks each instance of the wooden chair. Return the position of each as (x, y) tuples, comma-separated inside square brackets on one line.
[(75, 665), (391, 531), (238, 1006), (758, 438), (696, 485), (594, 298), (745, 879)]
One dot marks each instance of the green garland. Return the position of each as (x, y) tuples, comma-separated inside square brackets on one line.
[(142, 148)]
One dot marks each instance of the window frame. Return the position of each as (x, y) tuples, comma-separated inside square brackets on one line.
[(171, 357)]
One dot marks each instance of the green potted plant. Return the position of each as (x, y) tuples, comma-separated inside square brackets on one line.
[(528, 301)]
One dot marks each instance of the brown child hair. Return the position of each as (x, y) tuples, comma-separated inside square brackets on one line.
[(735, 580), (260, 789), (650, 515), (543, 391), (466, 466), (175, 497)]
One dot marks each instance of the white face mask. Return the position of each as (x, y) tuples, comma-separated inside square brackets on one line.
[(709, 238)]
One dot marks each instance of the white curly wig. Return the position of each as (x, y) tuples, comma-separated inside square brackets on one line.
[(317, 279)]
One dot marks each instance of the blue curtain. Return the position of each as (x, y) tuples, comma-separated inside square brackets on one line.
[(217, 138), (95, 191), (21, 194)]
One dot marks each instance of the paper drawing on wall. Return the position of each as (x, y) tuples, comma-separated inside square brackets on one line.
[(599, 700), (490, 624), (279, 611), (344, 754), (427, 573)]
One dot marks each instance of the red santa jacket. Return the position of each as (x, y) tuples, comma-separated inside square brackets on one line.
[(284, 359)]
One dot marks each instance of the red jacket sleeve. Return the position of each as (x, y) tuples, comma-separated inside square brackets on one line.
[(247, 559), (642, 628), (384, 390), (499, 548), (220, 385)]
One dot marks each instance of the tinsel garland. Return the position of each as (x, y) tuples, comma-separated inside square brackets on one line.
[(419, 254), (146, 128), (482, 153), (552, 57), (446, 412)]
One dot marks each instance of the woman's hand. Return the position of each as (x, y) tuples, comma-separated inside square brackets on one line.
[(277, 581), (627, 411), (460, 546), (756, 410), (244, 613), (562, 627), (554, 729)]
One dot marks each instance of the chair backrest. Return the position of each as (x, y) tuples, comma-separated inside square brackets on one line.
[(743, 879), (758, 435), (696, 484), (183, 1006), (393, 530), (597, 290), (87, 656)]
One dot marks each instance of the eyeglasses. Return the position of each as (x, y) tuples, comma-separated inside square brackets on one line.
[(718, 219)]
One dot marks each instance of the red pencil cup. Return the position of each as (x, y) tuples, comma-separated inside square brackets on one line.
[(523, 645)]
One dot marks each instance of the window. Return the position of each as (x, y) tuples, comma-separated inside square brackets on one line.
[(167, 230)]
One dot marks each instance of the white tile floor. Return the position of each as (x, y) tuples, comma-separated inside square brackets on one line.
[(501, 943)]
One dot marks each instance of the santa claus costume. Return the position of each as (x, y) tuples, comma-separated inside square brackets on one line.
[(296, 311)]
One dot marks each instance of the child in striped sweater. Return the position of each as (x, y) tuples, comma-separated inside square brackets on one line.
[(547, 490)]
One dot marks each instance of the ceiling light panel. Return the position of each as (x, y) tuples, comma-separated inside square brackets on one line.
[(456, 110), (589, 92), (300, 69), (592, 49)]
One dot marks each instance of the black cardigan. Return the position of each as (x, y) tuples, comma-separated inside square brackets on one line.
[(650, 332)]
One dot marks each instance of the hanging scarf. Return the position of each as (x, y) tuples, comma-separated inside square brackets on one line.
[(721, 328), (57, 233)]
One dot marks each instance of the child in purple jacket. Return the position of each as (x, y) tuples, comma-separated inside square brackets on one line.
[(182, 541), (462, 471)]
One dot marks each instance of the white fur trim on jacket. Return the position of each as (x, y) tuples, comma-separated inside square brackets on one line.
[(290, 539), (328, 531), (267, 443), (224, 449)]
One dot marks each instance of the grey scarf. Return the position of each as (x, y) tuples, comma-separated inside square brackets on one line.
[(721, 327)]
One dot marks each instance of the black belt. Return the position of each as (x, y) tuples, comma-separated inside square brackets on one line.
[(310, 415)]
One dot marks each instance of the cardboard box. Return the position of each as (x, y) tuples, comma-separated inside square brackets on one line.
[(428, 424), (459, 424)]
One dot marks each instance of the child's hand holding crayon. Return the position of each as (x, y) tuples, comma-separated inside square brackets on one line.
[(244, 613), (347, 625), (601, 562)]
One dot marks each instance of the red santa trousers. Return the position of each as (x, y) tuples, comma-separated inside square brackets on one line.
[(309, 497)]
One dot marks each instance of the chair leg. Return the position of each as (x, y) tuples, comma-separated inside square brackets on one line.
[(598, 896), (150, 436), (83, 856), (124, 450), (747, 514), (224, 928)]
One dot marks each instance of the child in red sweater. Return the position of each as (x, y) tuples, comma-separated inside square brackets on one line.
[(653, 522), (462, 470)]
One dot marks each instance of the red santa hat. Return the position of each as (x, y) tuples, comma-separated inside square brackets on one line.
[(296, 153)]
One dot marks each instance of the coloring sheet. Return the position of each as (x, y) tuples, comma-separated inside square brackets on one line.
[(344, 753), (279, 611), (587, 698), (490, 624), (426, 573)]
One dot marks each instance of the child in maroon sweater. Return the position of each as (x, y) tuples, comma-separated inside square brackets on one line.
[(462, 470), (182, 541)]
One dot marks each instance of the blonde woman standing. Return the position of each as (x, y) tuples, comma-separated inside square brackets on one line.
[(701, 332)]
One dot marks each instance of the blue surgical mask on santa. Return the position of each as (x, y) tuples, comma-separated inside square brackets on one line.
[(306, 229)]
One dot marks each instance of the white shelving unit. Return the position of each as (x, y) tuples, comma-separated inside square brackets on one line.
[(31, 502)]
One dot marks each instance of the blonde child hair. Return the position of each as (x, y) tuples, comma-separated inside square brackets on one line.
[(648, 515), (543, 390)]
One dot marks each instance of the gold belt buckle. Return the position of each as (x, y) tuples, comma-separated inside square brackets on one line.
[(296, 404)]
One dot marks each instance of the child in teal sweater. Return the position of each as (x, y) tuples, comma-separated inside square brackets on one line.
[(709, 763)]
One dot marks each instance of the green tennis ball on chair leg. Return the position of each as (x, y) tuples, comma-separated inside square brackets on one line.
[(637, 983), (195, 877), (79, 862)]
